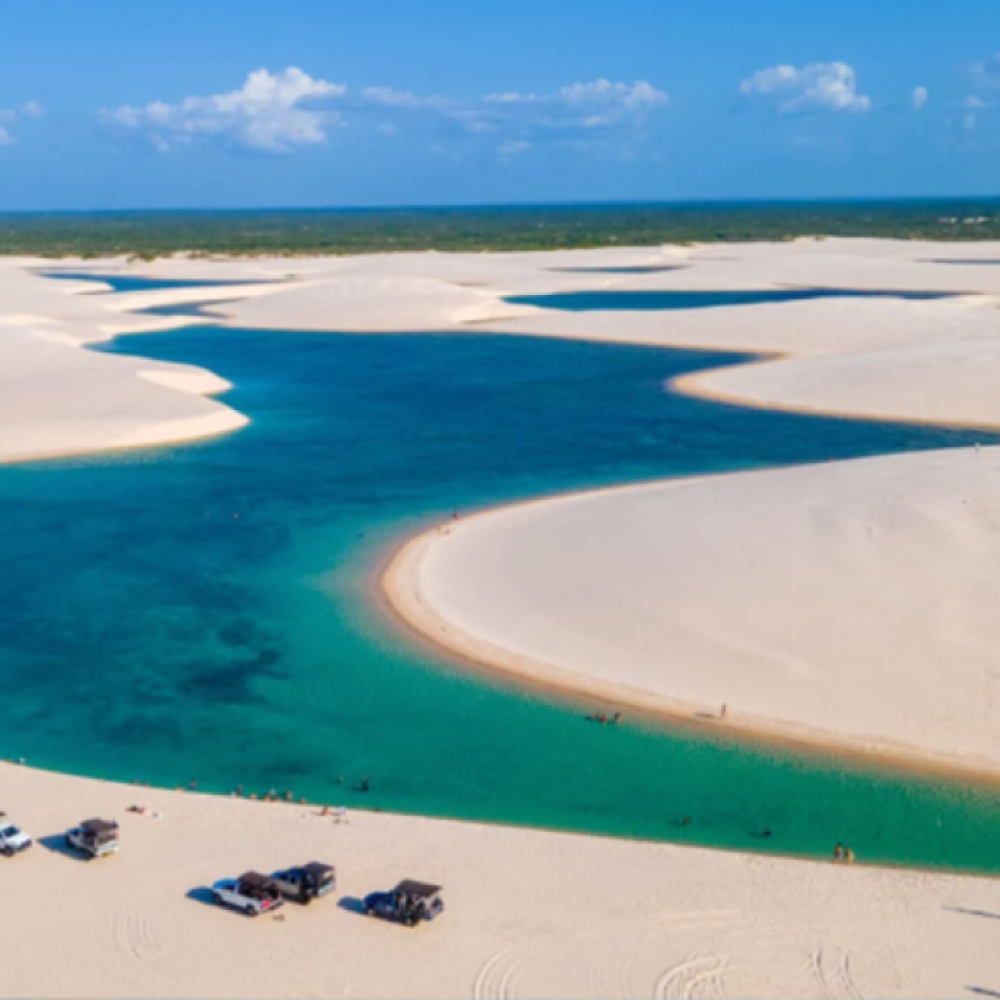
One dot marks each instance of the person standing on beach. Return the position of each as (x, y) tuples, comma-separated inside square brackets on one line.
[(724, 711)]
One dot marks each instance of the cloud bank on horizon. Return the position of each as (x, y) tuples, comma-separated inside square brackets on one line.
[(246, 103), (288, 110), (283, 111)]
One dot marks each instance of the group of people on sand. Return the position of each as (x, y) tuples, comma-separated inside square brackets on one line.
[(845, 854), (144, 811)]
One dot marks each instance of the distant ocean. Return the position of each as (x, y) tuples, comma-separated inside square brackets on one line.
[(205, 612)]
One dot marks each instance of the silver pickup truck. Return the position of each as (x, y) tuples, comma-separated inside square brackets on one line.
[(251, 893)]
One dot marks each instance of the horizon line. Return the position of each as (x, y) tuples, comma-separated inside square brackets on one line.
[(500, 205)]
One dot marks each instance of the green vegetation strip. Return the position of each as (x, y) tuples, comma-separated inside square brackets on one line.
[(506, 228)]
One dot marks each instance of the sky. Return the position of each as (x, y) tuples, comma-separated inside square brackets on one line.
[(108, 104)]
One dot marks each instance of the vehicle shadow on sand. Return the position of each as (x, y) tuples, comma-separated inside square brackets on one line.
[(56, 843), (353, 905), (201, 894), (972, 913)]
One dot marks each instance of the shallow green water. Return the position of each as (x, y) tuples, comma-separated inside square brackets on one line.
[(147, 633)]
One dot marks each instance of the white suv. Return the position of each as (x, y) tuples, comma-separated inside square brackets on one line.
[(13, 839)]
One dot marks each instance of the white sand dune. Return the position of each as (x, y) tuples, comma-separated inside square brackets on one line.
[(59, 399), (850, 602), (529, 914)]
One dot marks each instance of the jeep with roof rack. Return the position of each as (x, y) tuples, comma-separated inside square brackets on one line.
[(409, 903), (307, 882), (97, 838)]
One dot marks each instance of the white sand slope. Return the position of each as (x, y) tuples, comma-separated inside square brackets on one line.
[(529, 914), (852, 602), (58, 399)]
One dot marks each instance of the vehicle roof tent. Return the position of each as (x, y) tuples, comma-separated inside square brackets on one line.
[(95, 827), (256, 880), (316, 869), (417, 889)]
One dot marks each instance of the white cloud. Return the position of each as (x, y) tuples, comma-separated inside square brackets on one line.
[(511, 147), (973, 102), (817, 86), (284, 111), (405, 99), (270, 112), (639, 96), (510, 98), (30, 109), (987, 72), (594, 104), (919, 97)]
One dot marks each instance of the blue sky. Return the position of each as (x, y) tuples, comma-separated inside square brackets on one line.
[(233, 103)]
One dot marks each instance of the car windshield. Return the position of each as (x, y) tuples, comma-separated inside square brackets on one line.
[(9, 831)]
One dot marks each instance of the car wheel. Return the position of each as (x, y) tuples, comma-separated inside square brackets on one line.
[(410, 922), (370, 910), (250, 911), (217, 899), (8, 851)]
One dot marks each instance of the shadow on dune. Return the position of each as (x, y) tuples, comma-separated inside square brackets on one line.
[(352, 905), (972, 913), (56, 843), (201, 894)]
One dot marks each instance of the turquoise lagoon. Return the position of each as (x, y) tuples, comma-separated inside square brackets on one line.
[(149, 633)]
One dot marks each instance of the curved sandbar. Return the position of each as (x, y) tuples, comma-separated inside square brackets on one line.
[(842, 605), (849, 604)]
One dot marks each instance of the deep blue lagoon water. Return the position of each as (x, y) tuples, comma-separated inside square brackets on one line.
[(150, 633), (135, 283), (593, 301)]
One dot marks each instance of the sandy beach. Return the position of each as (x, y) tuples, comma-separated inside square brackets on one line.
[(849, 604), (528, 914)]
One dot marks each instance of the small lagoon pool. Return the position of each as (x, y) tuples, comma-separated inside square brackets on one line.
[(604, 300)]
